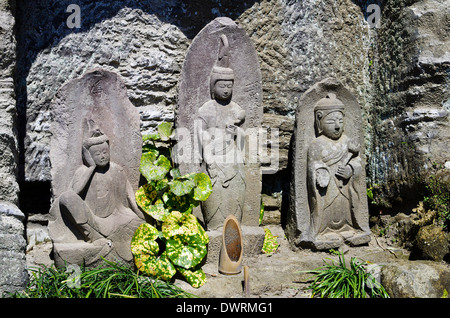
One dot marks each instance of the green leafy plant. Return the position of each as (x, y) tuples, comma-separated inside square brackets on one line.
[(270, 244), (370, 193), (340, 281), (176, 242), (438, 199), (109, 280), (371, 190), (261, 213)]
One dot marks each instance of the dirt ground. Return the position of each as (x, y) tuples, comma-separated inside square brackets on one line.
[(282, 274)]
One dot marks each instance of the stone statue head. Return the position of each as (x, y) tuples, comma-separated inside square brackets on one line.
[(222, 76), (222, 89), (97, 144), (329, 117), (100, 154)]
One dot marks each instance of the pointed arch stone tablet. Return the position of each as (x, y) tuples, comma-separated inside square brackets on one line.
[(215, 132), (95, 156), (328, 201)]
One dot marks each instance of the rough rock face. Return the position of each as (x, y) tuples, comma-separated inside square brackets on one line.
[(432, 243), (302, 42), (12, 249), (421, 279), (12, 242), (408, 121), (8, 145)]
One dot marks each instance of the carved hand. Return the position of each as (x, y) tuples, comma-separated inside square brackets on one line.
[(344, 172), (88, 161), (230, 128), (240, 118), (322, 177)]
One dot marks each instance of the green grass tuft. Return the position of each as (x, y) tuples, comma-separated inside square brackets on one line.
[(109, 280), (339, 281)]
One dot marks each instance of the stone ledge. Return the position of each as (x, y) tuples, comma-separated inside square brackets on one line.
[(253, 239), (10, 209)]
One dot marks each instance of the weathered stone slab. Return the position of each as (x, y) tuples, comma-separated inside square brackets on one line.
[(328, 201), (222, 51), (95, 155)]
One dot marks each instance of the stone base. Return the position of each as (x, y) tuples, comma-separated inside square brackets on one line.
[(331, 239), (253, 240), (88, 254)]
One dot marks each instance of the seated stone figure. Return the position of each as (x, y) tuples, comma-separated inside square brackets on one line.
[(98, 213), (333, 169)]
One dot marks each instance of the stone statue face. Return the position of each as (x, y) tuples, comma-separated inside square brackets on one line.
[(223, 89), (100, 154), (332, 125)]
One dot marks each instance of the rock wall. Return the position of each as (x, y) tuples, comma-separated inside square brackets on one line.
[(12, 242), (409, 78)]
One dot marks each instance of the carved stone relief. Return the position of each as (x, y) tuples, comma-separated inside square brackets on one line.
[(95, 155), (328, 202), (219, 109)]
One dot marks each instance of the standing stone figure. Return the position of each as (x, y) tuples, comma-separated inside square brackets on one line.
[(222, 142), (95, 152), (218, 117), (333, 172)]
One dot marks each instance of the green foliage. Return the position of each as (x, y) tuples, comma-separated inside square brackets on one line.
[(438, 199), (195, 276), (339, 281), (165, 131), (145, 249), (203, 186), (169, 198), (371, 194), (261, 213), (110, 281), (154, 168), (270, 244), (186, 250)]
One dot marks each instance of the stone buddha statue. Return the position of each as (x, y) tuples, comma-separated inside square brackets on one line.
[(98, 213), (222, 139), (333, 172)]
